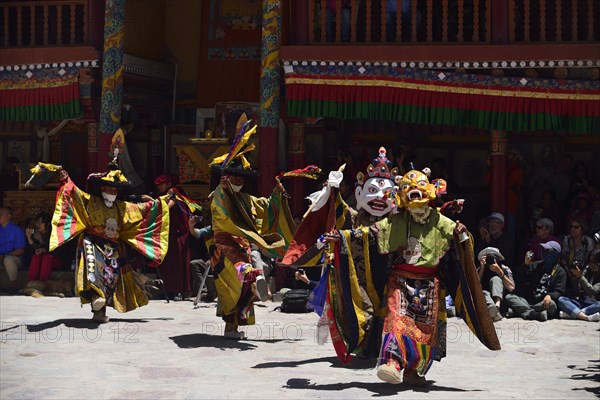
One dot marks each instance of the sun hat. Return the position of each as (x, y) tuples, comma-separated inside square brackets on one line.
[(551, 245), (490, 251), (496, 215)]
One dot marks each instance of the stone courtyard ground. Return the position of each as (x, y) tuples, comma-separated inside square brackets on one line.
[(50, 349)]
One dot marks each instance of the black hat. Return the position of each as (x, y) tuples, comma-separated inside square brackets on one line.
[(235, 168), (114, 178), (234, 162)]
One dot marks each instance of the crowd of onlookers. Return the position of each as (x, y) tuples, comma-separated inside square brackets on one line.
[(554, 272), (27, 249), (551, 280)]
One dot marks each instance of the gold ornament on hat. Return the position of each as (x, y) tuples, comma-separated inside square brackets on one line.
[(240, 141)]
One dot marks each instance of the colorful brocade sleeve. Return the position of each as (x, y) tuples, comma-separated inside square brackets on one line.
[(265, 222), (146, 228), (70, 216)]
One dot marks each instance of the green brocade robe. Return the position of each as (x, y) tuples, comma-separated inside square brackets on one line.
[(266, 222)]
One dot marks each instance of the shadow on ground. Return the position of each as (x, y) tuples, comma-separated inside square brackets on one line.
[(77, 323), (379, 389), (196, 340), (590, 373), (334, 361)]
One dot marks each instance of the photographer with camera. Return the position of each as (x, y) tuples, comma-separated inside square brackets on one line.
[(300, 275), (496, 280), (585, 307), (547, 282)]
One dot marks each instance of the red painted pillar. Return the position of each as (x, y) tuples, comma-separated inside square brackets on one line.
[(270, 80), (103, 152), (268, 160), (499, 22), (96, 24), (112, 78), (498, 182), (92, 136), (299, 22), (91, 125), (297, 160)]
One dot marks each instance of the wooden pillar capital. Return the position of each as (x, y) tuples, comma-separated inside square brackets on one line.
[(498, 178)]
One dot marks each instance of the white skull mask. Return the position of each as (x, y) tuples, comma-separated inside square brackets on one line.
[(376, 196), (110, 228), (376, 191)]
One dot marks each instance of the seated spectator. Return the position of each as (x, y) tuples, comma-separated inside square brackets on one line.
[(198, 266), (562, 181), (549, 208), (586, 306), (542, 175), (593, 190), (496, 279), (581, 208), (42, 262), (544, 232), (484, 238), (581, 179), (547, 282), (576, 247), (595, 224), (500, 239), (12, 248)]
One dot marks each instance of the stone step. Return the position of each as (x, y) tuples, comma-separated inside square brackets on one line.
[(56, 275), (22, 278)]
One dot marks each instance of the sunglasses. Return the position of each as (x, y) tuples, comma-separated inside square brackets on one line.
[(541, 227), (575, 226)]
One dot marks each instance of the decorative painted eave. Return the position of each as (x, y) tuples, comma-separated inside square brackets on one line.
[(388, 91), (452, 56), (40, 94), (479, 65), (67, 64)]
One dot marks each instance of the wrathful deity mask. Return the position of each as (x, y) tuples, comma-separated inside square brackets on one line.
[(415, 190), (376, 194)]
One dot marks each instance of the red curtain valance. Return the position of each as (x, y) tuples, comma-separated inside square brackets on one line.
[(495, 104), (39, 95)]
